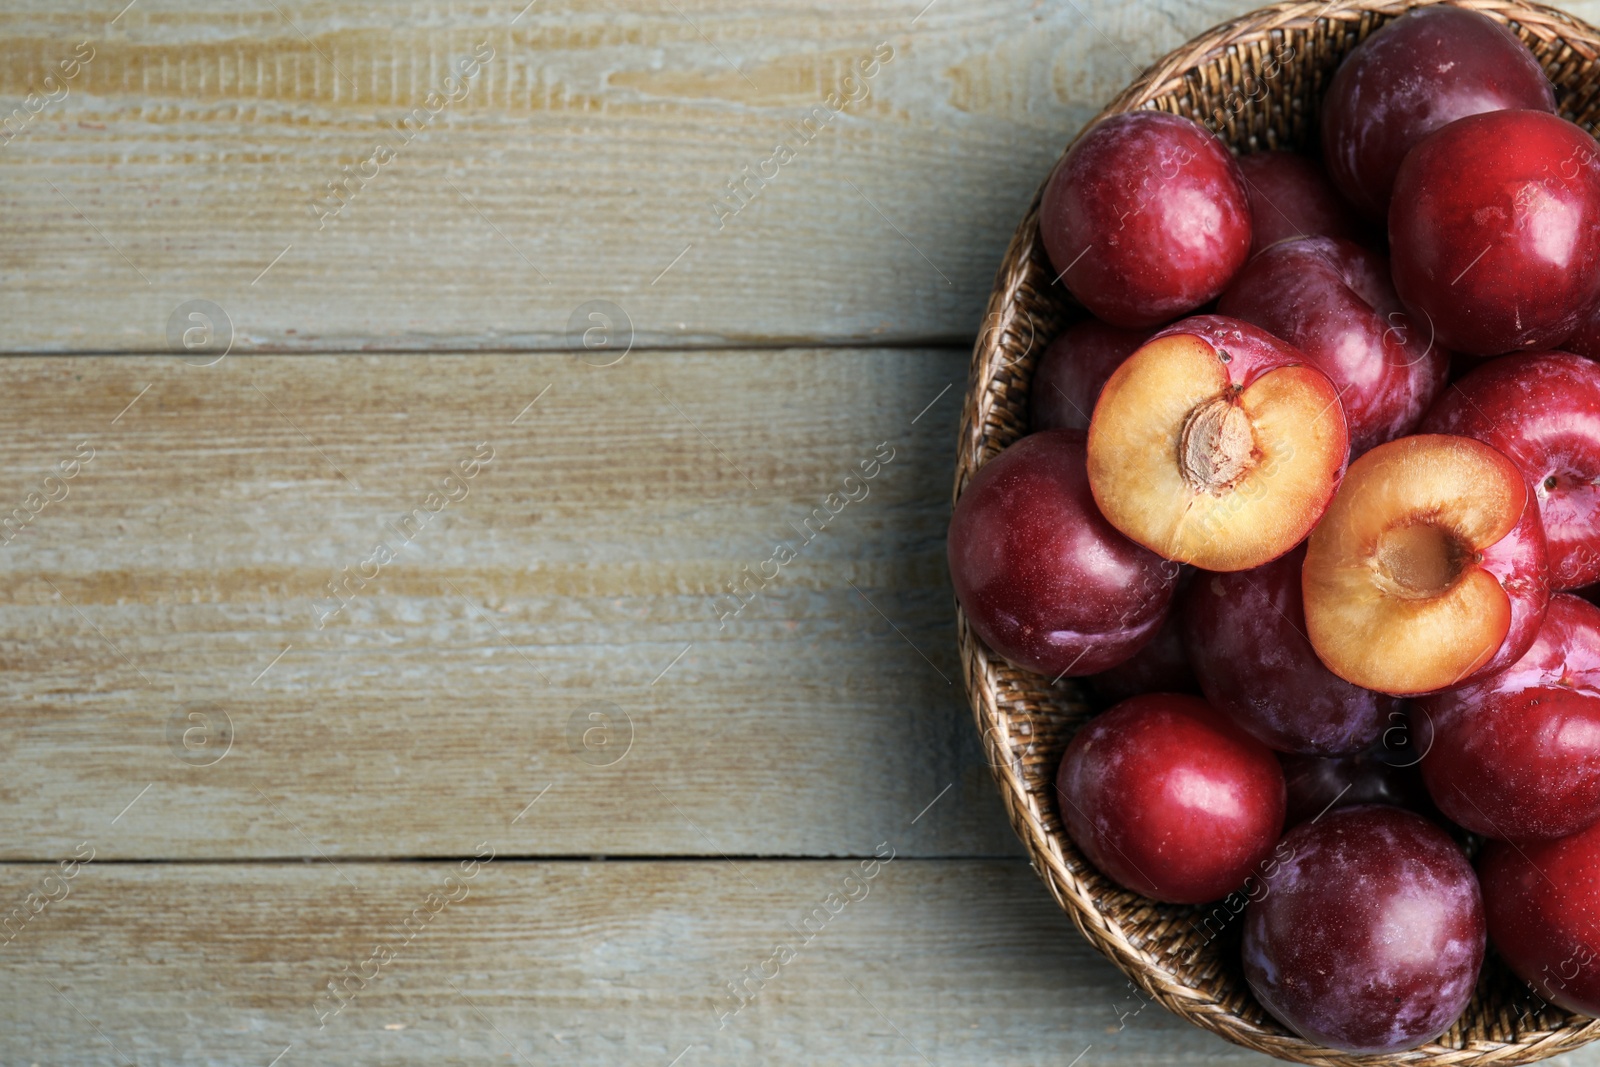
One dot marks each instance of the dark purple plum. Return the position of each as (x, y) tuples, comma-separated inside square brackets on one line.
[(1542, 409), (1380, 775), (1291, 197), (1333, 301), (1245, 632), (1370, 935), (1072, 370), (1422, 71), (1162, 666), (1494, 237), (1043, 578)]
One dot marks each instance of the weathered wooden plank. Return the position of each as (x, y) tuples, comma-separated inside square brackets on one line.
[(578, 963), (184, 156), (178, 588)]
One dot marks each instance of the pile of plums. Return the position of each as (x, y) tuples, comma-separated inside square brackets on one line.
[(1311, 503)]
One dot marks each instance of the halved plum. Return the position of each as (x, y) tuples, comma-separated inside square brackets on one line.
[(1429, 569), (1216, 444)]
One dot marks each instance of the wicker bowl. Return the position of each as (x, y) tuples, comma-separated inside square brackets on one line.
[(1258, 81)]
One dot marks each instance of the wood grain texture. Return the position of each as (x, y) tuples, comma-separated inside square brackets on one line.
[(944, 962), (583, 565), (581, 161), (171, 697)]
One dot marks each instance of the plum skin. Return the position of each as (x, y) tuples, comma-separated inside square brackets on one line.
[(1169, 799), (1043, 578), (1542, 900), (1245, 634), (1585, 341), (1543, 411), (1422, 71), (1523, 766), (1519, 561), (1494, 234), (1146, 218), (1370, 936), (1380, 775), (1162, 666), (1333, 300), (1074, 367), (1291, 197), (1516, 756)]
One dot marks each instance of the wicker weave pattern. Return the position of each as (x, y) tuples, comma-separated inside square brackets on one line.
[(1258, 81)]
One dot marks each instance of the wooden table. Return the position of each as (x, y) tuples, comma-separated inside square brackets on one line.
[(395, 392)]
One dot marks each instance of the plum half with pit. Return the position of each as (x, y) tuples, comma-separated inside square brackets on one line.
[(1216, 444)]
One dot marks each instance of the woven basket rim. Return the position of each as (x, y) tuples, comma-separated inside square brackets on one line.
[(1007, 329)]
